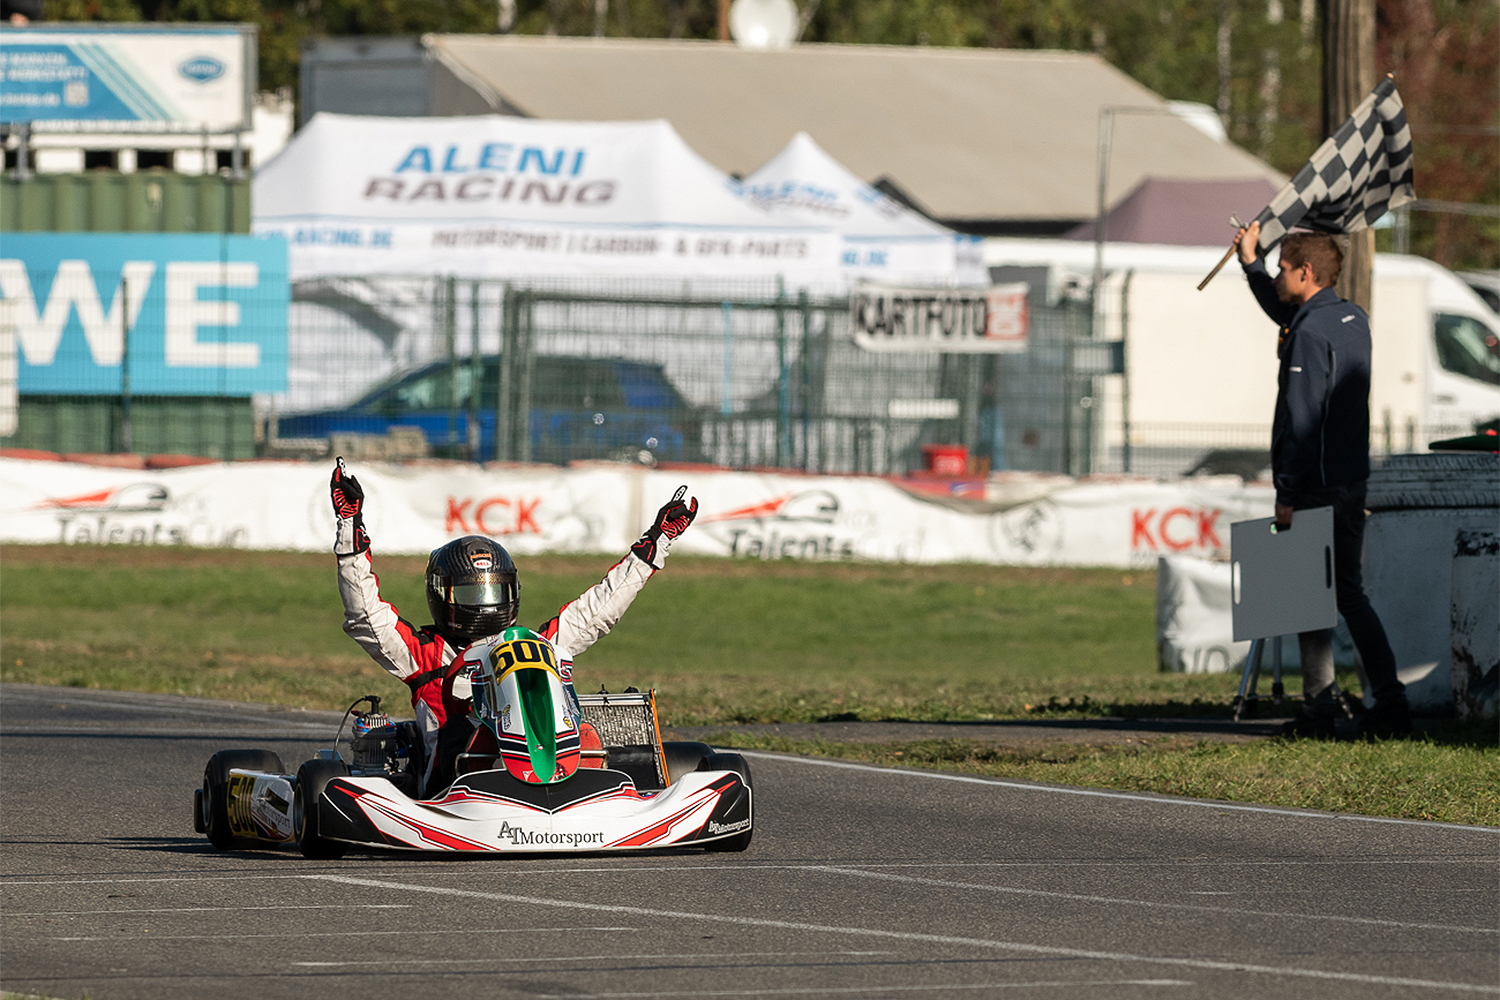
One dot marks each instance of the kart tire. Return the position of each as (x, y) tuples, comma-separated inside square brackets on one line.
[(212, 800), (684, 758), (729, 762), (312, 777)]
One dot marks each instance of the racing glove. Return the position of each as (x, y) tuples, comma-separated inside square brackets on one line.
[(671, 521), (348, 506)]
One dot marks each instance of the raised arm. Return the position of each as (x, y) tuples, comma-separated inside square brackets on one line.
[(370, 621), (584, 621), (1262, 285)]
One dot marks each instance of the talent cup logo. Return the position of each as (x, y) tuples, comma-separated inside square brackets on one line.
[(802, 525)]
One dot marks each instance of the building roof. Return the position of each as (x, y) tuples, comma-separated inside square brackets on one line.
[(1181, 213), (968, 135)]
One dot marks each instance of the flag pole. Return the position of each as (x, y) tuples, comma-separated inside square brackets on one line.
[(1219, 266), (1234, 220)]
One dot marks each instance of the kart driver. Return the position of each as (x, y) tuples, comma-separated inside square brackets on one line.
[(473, 592)]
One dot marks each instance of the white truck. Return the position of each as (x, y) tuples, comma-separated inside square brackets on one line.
[(1201, 366)]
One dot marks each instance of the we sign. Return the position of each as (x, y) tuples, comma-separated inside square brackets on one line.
[(189, 314)]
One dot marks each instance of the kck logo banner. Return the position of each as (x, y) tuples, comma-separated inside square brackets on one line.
[(536, 509), (183, 315)]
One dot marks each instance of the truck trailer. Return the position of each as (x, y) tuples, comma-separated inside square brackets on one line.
[(1200, 366)]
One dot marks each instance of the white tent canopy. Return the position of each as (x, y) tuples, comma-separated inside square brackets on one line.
[(496, 196), (881, 239)]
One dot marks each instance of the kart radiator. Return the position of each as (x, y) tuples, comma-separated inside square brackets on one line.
[(626, 720)]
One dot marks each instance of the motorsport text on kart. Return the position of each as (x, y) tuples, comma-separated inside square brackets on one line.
[(536, 777)]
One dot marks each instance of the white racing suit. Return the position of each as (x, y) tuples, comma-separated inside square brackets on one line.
[(438, 673)]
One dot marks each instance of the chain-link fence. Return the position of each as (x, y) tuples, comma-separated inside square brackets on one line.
[(737, 374), (745, 375)]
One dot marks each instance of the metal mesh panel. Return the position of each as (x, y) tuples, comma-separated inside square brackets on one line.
[(739, 374), (621, 719)]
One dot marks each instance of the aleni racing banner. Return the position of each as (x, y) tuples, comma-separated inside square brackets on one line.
[(499, 196), (941, 320), (128, 77)]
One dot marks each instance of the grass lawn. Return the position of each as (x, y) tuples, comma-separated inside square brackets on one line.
[(723, 642)]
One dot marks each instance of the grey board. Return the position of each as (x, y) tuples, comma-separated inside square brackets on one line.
[(1283, 580)]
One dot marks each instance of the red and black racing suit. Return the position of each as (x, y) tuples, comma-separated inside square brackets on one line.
[(433, 667)]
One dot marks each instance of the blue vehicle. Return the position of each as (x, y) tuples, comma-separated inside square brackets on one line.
[(576, 408)]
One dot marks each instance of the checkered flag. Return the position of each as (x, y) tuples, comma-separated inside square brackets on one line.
[(1354, 178)]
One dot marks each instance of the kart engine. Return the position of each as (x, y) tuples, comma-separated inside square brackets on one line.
[(378, 748)]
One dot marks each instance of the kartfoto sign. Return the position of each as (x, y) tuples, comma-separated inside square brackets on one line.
[(128, 77), (990, 320)]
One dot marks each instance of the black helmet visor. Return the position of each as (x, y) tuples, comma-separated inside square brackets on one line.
[(488, 592)]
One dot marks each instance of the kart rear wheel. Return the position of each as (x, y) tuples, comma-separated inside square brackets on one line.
[(684, 757), (212, 801), (729, 762), (312, 777)]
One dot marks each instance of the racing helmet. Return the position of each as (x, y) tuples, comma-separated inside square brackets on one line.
[(519, 697), (472, 588)]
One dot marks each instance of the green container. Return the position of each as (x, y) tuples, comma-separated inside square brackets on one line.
[(150, 201), (211, 426)]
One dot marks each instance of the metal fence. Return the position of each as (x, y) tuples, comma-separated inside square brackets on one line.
[(741, 374), (736, 374)]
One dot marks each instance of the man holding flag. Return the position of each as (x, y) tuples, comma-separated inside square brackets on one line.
[(1320, 457), (1320, 432)]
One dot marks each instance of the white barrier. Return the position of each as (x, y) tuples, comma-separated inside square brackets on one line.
[(533, 509)]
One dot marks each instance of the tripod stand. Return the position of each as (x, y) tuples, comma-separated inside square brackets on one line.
[(1245, 702)]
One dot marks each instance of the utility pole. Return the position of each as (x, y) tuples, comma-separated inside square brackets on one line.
[(1349, 75)]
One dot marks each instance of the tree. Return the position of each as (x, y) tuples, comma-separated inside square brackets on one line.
[(1266, 79)]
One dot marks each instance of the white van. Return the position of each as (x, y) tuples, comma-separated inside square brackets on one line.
[(1201, 366)]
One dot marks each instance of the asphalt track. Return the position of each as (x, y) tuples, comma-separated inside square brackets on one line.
[(861, 883)]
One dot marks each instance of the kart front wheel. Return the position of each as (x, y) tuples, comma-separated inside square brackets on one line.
[(312, 777), (212, 800), (729, 762)]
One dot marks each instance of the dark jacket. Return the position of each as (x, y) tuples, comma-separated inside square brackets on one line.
[(1320, 434)]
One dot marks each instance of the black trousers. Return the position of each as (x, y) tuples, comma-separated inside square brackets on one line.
[(1348, 503)]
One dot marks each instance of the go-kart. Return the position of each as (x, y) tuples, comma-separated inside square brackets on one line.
[(542, 781)]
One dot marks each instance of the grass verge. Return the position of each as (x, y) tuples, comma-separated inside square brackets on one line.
[(1447, 775), (723, 642)]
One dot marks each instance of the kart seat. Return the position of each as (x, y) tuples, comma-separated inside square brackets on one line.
[(482, 753), (591, 746)]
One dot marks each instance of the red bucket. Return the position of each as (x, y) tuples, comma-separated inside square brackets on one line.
[(946, 459)]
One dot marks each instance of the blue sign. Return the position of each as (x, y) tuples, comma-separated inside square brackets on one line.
[(206, 314), (182, 76)]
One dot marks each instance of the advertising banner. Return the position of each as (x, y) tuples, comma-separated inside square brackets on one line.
[(128, 77), (883, 240), (495, 196), (603, 508), (994, 320), (206, 314)]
